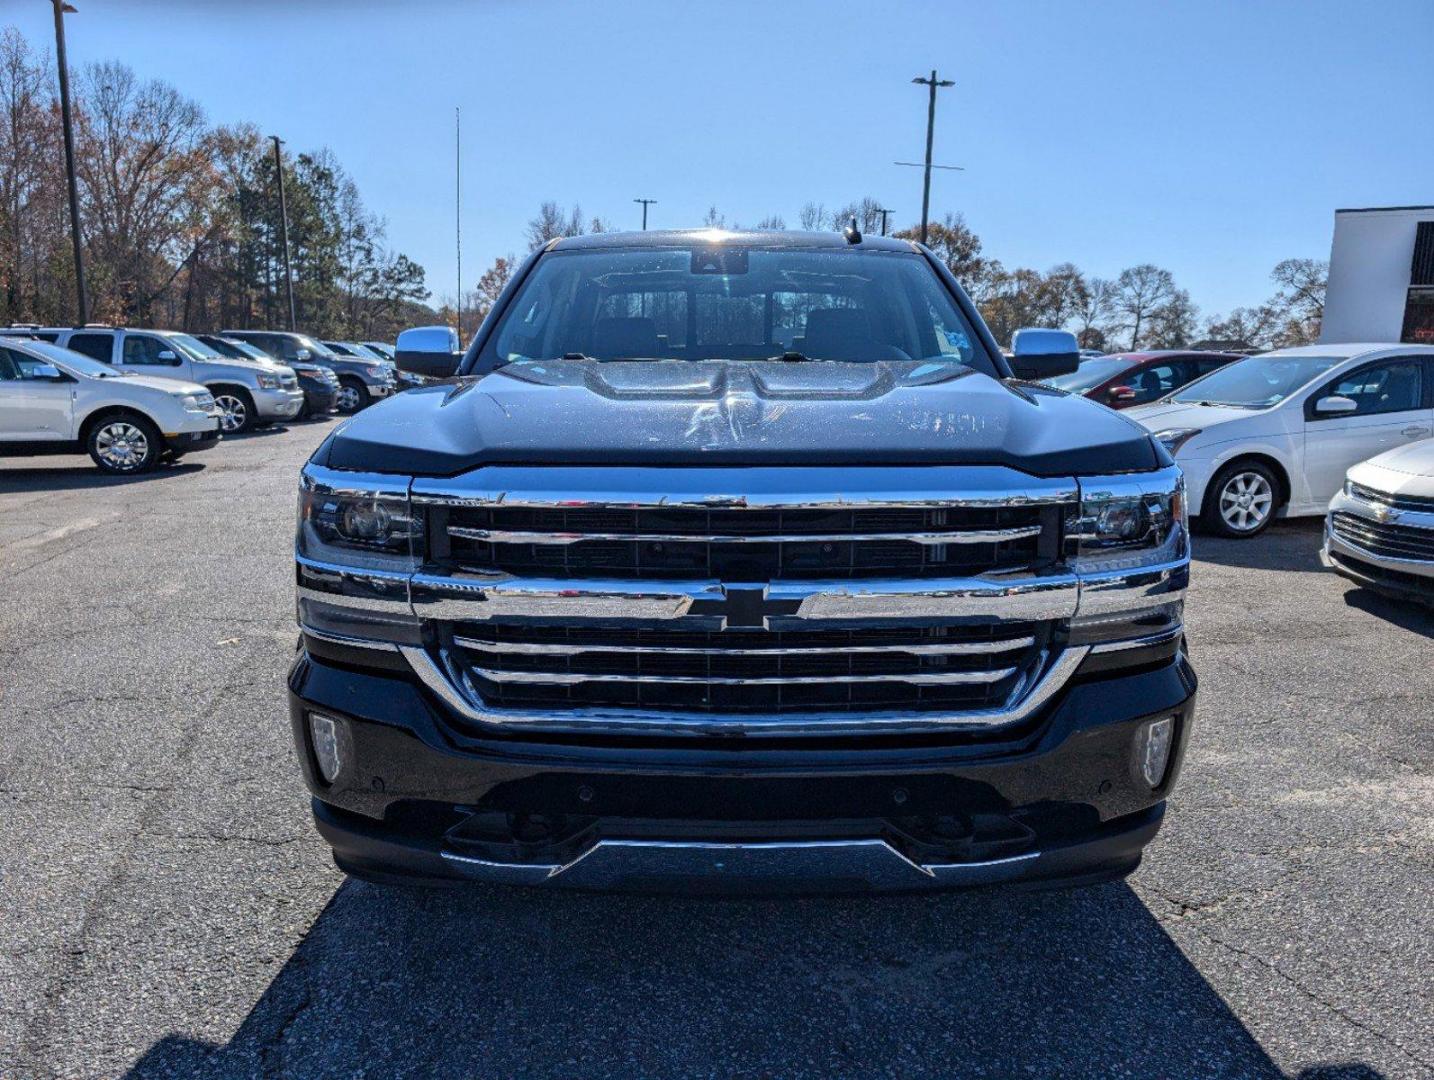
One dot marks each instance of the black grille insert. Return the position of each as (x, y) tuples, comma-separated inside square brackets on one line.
[(746, 545), (740, 671), (1390, 540)]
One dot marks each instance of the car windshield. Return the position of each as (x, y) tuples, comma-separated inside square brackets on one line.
[(1090, 374), (78, 363), (364, 352), (1256, 382), (728, 303), (318, 348), (251, 351), (196, 349)]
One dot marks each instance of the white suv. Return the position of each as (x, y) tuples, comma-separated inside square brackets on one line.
[(1273, 434), (53, 401), (248, 393)]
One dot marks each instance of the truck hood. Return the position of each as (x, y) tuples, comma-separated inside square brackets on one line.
[(660, 413)]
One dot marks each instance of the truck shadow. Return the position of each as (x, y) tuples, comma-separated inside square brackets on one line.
[(481, 981)]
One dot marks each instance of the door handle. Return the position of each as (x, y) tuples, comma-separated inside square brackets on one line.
[(1415, 430)]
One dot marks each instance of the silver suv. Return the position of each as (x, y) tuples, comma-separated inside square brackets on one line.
[(249, 394)]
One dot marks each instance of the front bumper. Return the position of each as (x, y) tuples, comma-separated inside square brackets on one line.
[(187, 442), (1406, 578), (421, 795), (278, 404), (321, 397)]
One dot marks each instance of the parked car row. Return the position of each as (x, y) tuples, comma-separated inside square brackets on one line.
[(132, 397), (1339, 430)]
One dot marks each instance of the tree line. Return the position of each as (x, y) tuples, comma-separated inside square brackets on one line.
[(1142, 307), (180, 218)]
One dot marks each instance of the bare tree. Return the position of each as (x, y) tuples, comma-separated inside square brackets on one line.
[(1140, 292), (771, 223), (713, 219), (813, 217), (551, 223), (1173, 323), (1092, 313)]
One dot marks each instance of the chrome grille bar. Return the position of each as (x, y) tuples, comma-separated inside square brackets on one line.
[(955, 648), (930, 539), (948, 678)]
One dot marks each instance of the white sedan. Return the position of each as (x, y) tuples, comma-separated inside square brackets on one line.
[(1273, 435), (1380, 528)]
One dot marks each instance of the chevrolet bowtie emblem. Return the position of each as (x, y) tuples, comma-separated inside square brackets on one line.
[(744, 607), (1386, 513)]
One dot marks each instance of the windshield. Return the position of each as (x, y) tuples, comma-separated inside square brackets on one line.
[(253, 352), (315, 347), (726, 303), (78, 363), (196, 349), (365, 353), (1256, 382), (1090, 374)]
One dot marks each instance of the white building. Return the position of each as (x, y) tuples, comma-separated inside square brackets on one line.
[(1381, 276)]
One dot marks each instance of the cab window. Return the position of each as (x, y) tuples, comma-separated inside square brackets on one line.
[(142, 349), (99, 347)]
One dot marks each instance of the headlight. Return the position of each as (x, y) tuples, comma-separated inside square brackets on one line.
[(199, 403), (357, 520), (1174, 438), (376, 371), (268, 382), (1116, 522)]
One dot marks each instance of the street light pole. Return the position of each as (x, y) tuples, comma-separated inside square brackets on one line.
[(645, 204), (284, 228), (61, 9), (458, 211), (932, 83), (884, 215)]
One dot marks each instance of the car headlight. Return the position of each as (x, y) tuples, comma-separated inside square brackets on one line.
[(376, 371), (1118, 523), (198, 403), (357, 520), (268, 382), (1174, 438)]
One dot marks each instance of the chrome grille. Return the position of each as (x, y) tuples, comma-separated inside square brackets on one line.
[(1419, 503), (1390, 540), (745, 671), (761, 544)]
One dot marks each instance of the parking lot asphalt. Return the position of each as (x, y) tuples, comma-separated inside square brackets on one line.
[(166, 909)]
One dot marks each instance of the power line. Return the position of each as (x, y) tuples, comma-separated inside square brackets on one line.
[(645, 204)]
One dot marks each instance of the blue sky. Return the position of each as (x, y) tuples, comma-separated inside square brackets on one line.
[(1211, 138)]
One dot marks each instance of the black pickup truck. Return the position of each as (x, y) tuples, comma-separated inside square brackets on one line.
[(740, 560)]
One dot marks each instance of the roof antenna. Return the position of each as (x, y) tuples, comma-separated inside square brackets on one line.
[(852, 233)]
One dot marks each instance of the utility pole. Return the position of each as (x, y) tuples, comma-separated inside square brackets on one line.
[(284, 224), (932, 83), (884, 215), (61, 9), (645, 204), (458, 211)]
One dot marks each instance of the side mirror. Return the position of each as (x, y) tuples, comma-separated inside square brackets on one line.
[(46, 371), (1040, 354), (302, 354), (1335, 405), (1121, 393), (430, 351), (168, 356)]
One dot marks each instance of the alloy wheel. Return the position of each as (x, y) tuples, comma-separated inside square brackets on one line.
[(348, 399), (233, 413), (122, 446), (1246, 501)]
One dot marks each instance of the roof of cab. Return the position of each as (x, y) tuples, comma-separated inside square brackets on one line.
[(758, 238)]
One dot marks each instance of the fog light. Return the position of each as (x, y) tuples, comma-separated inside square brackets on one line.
[(1152, 749), (324, 731)]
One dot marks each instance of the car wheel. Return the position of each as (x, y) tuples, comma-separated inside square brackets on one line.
[(353, 396), (1242, 501), (236, 411), (124, 445)]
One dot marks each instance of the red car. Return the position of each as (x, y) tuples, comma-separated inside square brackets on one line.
[(1121, 380)]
